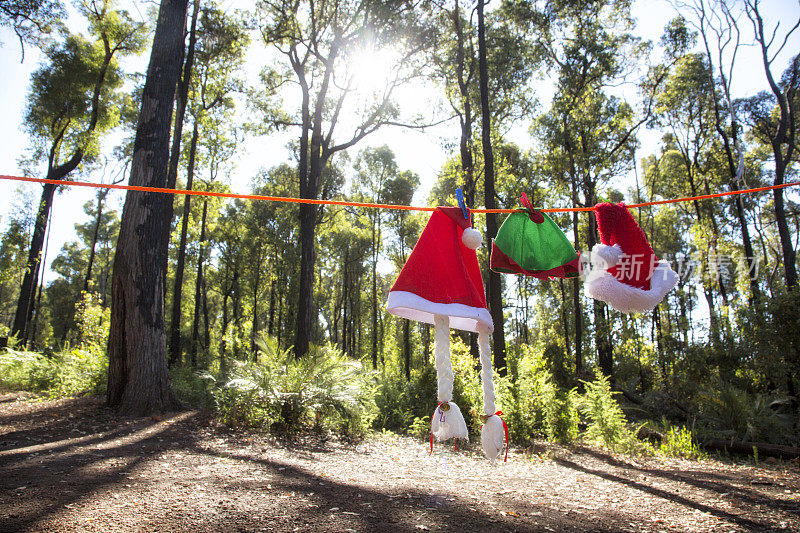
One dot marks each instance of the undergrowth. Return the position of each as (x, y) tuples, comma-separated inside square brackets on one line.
[(324, 390), (71, 371)]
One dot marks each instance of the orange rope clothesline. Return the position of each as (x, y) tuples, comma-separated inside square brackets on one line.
[(364, 204)]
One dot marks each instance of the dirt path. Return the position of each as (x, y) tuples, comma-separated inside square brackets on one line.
[(71, 465)]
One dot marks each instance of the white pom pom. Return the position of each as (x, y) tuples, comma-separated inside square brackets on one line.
[(471, 238), (605, 257)]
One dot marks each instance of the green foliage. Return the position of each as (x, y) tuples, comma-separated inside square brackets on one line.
[(606, 423), (726, 411), (525, 412), (561, 413), (31, 20), (70, 372), (405, 406), (72, 96), (193, 387), (678, 442), (323, 390), (13, 251), (92, 321)]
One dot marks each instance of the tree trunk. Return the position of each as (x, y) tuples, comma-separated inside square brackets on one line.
[(27, 291), (305, 298), (407, 347), (271, 321), (374, 297), (495, 285), (256, 284), (237, 326), (787, 246), (101, 196), (223, 361), (138, 382), (182, 98), (464, 78), (307, 217), (198, 283), (280, 323), (35, 323), (605, 352), (175, 348), (345, 300), (206, 323), (565, 319)]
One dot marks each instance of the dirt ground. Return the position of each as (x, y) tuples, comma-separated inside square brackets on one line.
[(72, 465)]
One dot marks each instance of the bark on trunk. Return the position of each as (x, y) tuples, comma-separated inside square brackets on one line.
[(175, 348), (565, 320), (138, 383), (495, 286), (374, 298), (95, 233), (256, 286), (271, 321), (305, 299), (787, 246), (182, 98), (198, 284), (27, 291), (407, 347)]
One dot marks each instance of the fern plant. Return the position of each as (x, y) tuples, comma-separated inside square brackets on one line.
[(292, 393), (606, 423), (560, 411)]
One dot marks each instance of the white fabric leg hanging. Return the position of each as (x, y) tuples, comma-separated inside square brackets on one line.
[(447, 421), (493, 432)]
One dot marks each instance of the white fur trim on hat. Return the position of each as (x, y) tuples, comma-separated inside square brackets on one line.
[(464, 317), (471, 238), (601, 285)]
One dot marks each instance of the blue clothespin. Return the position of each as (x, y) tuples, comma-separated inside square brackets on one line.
[(461, 204)]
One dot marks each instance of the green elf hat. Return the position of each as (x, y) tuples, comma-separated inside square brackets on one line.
[(530, 243)]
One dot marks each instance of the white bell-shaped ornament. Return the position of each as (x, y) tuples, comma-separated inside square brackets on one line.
[(493, 437), (448, 423)]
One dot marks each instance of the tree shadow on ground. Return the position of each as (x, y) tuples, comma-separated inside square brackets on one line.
[(702, 479), (77, 453), (79, 445), (661, 493)]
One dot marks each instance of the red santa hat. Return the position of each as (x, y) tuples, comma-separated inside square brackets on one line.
[(441, 284), (442, 276), (625, 272)]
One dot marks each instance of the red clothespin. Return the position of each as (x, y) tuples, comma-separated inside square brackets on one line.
[(534, 215)]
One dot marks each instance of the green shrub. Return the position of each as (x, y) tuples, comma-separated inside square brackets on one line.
[(726, 411), (92, 321), (420, 427), (399, 404), (192, 387), (69, 372), (678, 442), (323, 390), (606, 423), (525, 407), (561, 412)]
